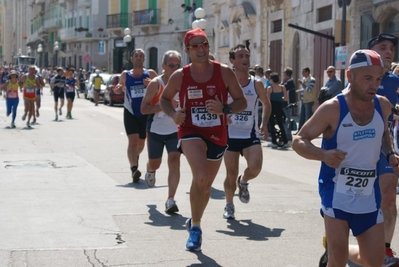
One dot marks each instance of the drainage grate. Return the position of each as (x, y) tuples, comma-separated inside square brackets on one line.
[(29, 164)]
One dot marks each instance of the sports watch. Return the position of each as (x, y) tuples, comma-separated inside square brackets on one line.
[(227, 109)]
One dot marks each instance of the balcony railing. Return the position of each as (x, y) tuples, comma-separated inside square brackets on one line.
[(33, 37), (53, 23), (84, 3), (68, 33), (146, 17), (120, 20)]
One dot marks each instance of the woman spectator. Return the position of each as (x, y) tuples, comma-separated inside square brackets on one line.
[(277, 95)]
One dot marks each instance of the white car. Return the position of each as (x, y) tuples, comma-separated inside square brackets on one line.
[(90, 91)]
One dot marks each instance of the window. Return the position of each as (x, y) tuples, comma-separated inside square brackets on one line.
[(277, 26), (324, 13)]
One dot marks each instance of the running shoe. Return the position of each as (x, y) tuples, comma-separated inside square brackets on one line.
[(56, 117), (28, 125), (195, 239), (34, 121), (324, 258), (12, 125), (96, 104), (136, 176), (150, 179), (229, 212), (170, 206), (60, 111), (274, 146), (37, 113), (243, 193), (188, 224), (390, 260), (8, 114), (24, 117)]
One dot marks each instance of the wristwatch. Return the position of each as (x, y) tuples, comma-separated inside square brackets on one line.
[(389, 154), (227, 109)]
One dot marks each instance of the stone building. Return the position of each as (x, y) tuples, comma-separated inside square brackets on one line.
[(279, 33)]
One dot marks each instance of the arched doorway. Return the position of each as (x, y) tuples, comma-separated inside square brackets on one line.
[(153, 59)]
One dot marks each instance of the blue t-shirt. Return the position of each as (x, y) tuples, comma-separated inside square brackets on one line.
[(388, 87)]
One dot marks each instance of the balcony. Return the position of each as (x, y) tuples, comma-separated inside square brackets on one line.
[(84, 3), (43, 33), (62, 2), (181, 22), (118, 21), (147, 17), (52, 24), (32, 38), (68, 34)]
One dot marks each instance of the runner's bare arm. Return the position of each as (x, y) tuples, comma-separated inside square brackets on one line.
[(152, 75), (323, 121), (215, 106), (119, 87), (166, 101), (267, 106), (235, 90), (150, 93), (387, 146)]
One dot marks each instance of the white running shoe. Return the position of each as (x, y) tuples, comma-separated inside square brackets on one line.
[(150, 179), (229, 212), (170, 206)]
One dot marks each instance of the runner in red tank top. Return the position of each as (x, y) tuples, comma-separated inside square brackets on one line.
[(202, 86)]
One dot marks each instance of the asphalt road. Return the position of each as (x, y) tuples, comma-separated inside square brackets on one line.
[(66, 199)]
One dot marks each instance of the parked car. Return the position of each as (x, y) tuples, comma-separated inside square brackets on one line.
[(110, 97), (88, 83), (90, 91)]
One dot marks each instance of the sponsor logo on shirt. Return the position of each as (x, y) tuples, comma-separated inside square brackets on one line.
[(368, 133), (211, 90)]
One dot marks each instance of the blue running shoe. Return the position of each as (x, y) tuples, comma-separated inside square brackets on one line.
[(188, 224), (195, 239)]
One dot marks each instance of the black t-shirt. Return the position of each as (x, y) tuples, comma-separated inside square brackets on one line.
[(58, 79), (290, 87)]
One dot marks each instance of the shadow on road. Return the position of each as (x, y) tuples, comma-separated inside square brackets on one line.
[(174, 221), (205, 261), (140, 185), (250, 230), (217, 194)]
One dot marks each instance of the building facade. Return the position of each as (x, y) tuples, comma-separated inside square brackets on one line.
[(279, 33)]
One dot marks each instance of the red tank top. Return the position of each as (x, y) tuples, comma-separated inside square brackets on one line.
[(193, 95)]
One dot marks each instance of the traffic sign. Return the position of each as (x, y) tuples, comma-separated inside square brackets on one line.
[(87, 58)]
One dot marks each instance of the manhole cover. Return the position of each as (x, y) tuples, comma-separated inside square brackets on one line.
[(29, 164)]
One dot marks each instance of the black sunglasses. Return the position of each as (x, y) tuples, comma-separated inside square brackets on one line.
[(329, 71), (172, 66), (204, 45)]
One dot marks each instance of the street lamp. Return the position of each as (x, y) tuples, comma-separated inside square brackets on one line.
[(127, 39), (40, 50), (200, 22), (56, 53), (28, 50)]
